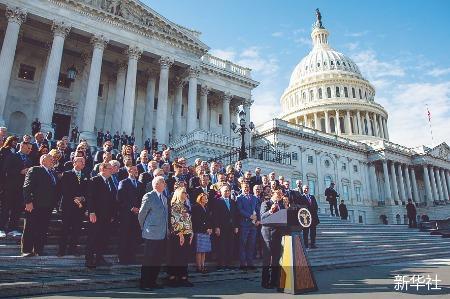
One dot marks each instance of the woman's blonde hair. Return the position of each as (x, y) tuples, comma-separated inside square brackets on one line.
[(200, 196), (176, 198)]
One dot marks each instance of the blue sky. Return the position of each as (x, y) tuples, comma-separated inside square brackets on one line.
[(401, 47)]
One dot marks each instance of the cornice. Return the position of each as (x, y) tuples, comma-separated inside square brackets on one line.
[(151, 26)]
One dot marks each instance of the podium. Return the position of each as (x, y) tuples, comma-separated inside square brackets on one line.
[(296, 276)]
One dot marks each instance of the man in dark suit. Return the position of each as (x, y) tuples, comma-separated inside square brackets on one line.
[(107, 147), (40, 196), (256, 179), (148, 144), (411, 213), (204, 187), (299, 185), (39, 140), (292, 195), (74, 188), (143, 165), (146, 177), (129, 197), (248, 220), (331, 196), (226, 227), (123, 139), (108, 136), (311, 203), (101, 204), (343, 210), (116, 140), (272, 240), (15, 168)]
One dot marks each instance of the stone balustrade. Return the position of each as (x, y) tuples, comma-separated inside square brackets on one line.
[(208, 59), (205, 137)]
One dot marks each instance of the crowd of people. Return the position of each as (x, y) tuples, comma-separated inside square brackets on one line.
[(179, 211)]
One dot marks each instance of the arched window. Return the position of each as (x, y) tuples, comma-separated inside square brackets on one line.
[(338, 94), (360, 94), (320, 93), (345, 92), (353, 92), (304, 95), (338, 63), (311, 95), (365, 95), (332, 63), (328, 92), (366, 128)]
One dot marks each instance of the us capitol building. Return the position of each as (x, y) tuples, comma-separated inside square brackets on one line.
[(118, 65)]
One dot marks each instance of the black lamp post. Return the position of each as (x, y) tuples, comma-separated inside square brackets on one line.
[(241, 129)]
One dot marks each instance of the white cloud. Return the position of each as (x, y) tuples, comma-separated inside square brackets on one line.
[(277, 34), (436, 72), (261, 66), (227, 54), (357, 34), (408, 120), (352, 46), (373, 68), (303, 41)]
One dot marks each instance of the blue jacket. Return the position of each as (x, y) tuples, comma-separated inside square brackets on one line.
[(247, 206)]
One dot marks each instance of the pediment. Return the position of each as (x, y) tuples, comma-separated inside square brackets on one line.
[(441, 151), (136, 13)]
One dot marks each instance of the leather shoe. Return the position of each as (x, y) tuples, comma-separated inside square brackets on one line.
[(90, 264)]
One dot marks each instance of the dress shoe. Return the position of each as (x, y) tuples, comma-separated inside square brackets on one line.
[(90, 264), (27, 254)]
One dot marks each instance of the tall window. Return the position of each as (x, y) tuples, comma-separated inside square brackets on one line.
[(304, 95), (338, 94), (312, 186), (360, 94), (358, 193), (182, 109), (353, 92), (311, 95), (345, 195), (100, 90), (155, 104), (320, 93), (310, 159), (220, 119), (328, 92), (345, 92), (328, 181), (332, 125)]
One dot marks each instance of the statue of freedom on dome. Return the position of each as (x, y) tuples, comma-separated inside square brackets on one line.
[(319, 19)]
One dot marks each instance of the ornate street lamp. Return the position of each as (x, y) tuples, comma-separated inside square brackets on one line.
[(241, 129)]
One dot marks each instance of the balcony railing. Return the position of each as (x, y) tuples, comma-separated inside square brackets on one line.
[(206, 137), (259, 153), (219, 63)]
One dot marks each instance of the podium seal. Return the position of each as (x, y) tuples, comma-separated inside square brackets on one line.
[(304, 217)]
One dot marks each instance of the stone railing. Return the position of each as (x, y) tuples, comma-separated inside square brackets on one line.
[(205, 137), (210, 60), (279, 123), (398, 147)]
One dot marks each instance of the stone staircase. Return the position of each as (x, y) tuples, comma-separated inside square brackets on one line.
[(340, 244)]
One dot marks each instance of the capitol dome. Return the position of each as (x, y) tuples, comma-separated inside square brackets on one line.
[(327, 92)]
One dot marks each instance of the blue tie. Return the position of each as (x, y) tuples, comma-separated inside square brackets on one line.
[(227, 202)]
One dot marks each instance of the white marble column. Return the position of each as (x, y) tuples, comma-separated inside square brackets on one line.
[(120, 90), (394, 182), (149, 105), (204, 91), (369, 127), (327, 122), (316, 121), (444, 184), (163, 91), (433, 184), (358, 116), (387, 183), (226, 124), (373, 182), (134, 53), (439, 183), (47, 104), (386, 132), (415, 190), (401, 183), (192, 100), (99, 43), (16, 16), (382, 128), (348, 130), (375, 124), (408, 183), (177, 105), (305, 120), (426, 179), (86, 57), (447, 177), (337, 123)]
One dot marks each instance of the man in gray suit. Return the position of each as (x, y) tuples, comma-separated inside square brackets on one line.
[(153, 218)]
